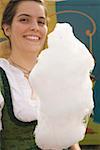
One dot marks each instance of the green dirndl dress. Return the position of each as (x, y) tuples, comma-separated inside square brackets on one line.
[(16, 135)]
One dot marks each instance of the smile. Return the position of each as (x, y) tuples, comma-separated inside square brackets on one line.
[(31, 37)]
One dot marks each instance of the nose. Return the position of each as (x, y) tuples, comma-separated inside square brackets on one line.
[(34, 26)]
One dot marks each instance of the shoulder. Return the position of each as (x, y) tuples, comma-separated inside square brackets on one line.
[(4, 64)]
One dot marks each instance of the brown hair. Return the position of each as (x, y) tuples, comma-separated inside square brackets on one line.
[(11, 8)]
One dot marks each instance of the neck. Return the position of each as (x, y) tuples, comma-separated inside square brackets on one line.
[(25, 61)]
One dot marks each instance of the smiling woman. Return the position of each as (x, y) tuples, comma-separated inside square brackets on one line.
[(31, 33), (25, 25)]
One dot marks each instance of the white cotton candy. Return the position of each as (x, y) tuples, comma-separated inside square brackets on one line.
[(61, 78)]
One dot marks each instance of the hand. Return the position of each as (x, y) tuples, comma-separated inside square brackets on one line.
[(75, 147)]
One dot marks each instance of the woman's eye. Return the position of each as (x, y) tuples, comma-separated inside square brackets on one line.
[(24, 20), (41, 22)]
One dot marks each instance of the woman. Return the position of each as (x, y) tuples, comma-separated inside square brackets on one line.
[(30, 18), (24, 22)]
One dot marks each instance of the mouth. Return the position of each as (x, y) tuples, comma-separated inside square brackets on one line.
[(32, 37)]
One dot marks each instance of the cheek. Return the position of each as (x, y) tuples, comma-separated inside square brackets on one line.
[(45, 31), (45, 34), (17, 29)]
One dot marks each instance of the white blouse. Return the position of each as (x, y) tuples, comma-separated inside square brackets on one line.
[(24, 98)]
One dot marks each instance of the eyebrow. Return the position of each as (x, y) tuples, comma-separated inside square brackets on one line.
[(41, 17)]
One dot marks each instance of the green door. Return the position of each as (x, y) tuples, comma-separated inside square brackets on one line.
[(83, 15)]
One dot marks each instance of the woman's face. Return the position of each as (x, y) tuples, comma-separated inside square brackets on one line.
[(28, 29)]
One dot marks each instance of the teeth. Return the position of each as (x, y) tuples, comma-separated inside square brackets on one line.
[(32, 37)]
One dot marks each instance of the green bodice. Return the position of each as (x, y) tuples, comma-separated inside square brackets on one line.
[(16, 135)]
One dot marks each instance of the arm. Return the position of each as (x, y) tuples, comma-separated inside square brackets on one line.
[(1, 106)]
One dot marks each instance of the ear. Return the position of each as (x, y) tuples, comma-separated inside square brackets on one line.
[(6, 29)]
